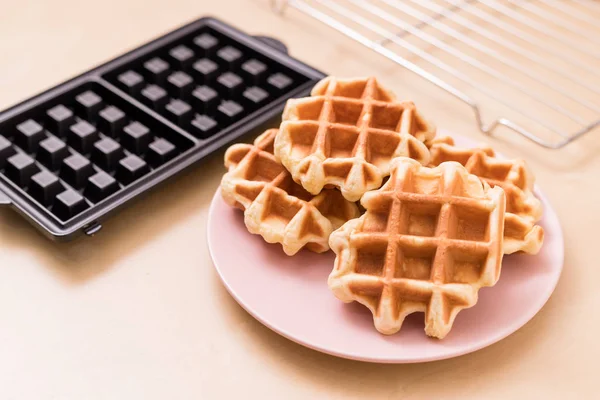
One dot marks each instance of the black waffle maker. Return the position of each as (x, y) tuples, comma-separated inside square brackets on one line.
[(75, 154)]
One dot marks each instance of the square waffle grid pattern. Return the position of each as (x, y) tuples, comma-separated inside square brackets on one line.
[(205, 82), (426, 243), (524, 66), (349, 132), (523, 209), (275, 206), (74, 151)]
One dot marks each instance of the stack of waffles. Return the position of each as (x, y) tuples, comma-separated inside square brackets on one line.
[(417, 224)]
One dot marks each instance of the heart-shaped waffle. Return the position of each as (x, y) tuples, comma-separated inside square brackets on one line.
[(429, 240), (346, 134), (276, 207)]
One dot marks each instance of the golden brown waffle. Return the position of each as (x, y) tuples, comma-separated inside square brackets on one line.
[(429, 240), (276, 207), (523, 209), (346, 134)]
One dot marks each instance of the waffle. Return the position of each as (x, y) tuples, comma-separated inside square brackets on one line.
[(346, 134), (523, 209), (276, 207), (429, 240)]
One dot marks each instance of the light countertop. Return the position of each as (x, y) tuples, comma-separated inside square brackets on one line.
[(138, 312)]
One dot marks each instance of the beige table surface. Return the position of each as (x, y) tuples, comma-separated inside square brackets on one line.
[(138, 312)]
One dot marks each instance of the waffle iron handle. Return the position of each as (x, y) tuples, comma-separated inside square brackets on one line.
[(274, 43)]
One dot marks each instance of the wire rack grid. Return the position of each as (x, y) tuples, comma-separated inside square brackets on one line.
[(532, 66)]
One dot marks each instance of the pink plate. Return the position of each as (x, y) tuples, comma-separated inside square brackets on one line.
[(290, 295)]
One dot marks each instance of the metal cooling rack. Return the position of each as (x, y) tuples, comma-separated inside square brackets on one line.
[(505, 59)]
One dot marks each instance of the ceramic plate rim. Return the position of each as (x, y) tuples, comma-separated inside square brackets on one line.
[(513, 327)]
